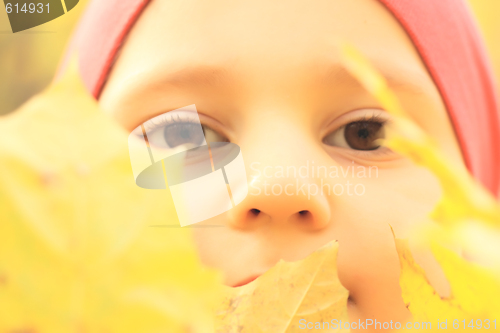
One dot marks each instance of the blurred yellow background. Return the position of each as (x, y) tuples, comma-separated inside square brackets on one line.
[(29, 59)]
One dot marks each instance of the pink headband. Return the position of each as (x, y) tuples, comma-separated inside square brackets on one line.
[(443, 31)]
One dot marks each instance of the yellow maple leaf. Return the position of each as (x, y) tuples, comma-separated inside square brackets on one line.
[(287, 297), (467, 216), (475, 290), (81, 246)]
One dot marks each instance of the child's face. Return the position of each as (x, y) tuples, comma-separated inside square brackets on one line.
[(266, 76)]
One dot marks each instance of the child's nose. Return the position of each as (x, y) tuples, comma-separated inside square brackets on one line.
[(285, 199)]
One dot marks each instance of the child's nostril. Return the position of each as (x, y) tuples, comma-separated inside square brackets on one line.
[(255, 211), (304, 212)]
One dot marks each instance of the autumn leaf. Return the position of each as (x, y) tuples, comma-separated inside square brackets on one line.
[(275, 302), (466, 216), (82, 248), (475, 291)]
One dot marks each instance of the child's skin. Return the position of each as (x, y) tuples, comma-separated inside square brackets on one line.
[(266, 76)]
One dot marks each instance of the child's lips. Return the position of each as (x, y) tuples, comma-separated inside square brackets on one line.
[(246, 281)]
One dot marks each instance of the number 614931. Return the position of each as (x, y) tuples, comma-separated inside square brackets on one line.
[(27, 8)]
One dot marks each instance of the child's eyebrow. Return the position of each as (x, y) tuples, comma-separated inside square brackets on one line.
[(198, 75), (190, 77), (398, 77)]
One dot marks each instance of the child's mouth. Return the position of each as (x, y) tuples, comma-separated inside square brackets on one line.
[(245, 281)]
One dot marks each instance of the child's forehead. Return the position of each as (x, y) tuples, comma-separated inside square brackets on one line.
[(261, 36), (262, 27)]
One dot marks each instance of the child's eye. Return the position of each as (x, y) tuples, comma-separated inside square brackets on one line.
[(358, 135), (172, 130), (188, 133), (182, 133)]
